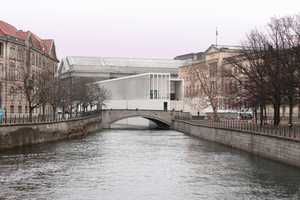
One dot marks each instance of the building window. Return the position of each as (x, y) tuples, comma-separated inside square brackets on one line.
[(19, 55), (1, 70), (20, 109), (25, 109), (153, 94), (12, 52), (20, 94), (33, 59), (11, 109), (1, 48), (172, 90), (213, 70), (11, 93), (214, 85), (12, 72), (19, 73)]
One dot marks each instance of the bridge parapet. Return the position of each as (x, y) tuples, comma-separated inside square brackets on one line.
[(160, 117)]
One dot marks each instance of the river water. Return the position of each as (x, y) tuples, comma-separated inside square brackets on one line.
[(142, 164)]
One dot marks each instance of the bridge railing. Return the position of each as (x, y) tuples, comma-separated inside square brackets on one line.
[(267, 128), (23, 119)]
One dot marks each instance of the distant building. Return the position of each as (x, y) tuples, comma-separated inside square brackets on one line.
[(104, 68), (212, 59), (19, 49), (150, 91)]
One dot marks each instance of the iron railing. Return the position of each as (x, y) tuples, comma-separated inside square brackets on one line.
[(23, 119), (267, 128)]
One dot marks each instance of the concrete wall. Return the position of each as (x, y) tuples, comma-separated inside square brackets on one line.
[(285, 150), (17, 135)]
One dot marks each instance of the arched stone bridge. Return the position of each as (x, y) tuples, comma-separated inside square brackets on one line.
[(162, 118)]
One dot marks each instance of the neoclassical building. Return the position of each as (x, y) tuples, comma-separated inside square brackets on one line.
[(19, 49), (211, 61)]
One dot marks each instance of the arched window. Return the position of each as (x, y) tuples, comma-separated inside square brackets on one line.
[(12, 93), (11, 52)]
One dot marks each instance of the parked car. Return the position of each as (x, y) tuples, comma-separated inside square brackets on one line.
[(59, 111)]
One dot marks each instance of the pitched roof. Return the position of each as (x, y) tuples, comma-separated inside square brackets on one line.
[(124, 62), (9, 30)]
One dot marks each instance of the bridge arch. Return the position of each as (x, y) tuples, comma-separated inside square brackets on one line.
[(162, 119)]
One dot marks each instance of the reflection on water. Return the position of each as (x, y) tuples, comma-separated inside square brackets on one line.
[(142, 164)]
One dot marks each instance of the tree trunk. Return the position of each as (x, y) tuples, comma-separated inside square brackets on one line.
[(30, 113), (216, 116), (291, 115), (261, 115), (276, 114), (43, 116)]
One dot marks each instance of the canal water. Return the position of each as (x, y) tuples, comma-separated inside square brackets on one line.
[(142, 164)]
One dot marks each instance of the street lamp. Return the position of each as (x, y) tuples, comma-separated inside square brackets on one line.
[(5, 114)]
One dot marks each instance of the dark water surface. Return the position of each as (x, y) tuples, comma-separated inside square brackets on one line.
[(142, 164)]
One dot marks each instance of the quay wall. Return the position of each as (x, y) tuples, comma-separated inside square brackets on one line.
[(274, 147), (17, 135)]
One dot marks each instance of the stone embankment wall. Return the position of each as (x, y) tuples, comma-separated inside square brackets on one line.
[(278, 148), (17, 135)]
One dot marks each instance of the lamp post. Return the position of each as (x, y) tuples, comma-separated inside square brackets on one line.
[(5, 114)]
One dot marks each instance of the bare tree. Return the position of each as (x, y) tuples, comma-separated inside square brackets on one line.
[(269, 63), (205, 78), (54, 97), (249, 70), (29, 84), (96, 95), (284, 36)]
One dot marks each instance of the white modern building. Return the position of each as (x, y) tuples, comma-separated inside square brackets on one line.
[(150, 91)]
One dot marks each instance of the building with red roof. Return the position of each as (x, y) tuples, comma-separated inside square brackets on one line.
[(21, 50)]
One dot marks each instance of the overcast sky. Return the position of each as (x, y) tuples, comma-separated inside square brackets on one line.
[(160, 29)]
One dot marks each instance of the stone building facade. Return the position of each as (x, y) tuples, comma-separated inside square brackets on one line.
[(20, 49), (211, 61)]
